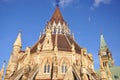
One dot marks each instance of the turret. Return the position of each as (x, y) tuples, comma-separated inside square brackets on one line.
[(2, 70), (17, 44), (105, 53), (106, 60), (13, 62)]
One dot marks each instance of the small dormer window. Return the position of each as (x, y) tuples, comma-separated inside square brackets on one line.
[(116, 77)]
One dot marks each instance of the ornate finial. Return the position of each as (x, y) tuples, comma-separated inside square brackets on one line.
[(57, 3), (73, 35), (4, 61), (40, 35), (100, 30), (20, 31)]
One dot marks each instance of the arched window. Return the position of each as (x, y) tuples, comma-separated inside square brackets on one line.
[(64, 67), (59, 29), (48, 70), (47, 67), (54, 30)]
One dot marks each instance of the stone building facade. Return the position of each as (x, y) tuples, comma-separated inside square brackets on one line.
[(55, 56)]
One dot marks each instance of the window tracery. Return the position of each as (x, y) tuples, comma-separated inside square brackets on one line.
[(47, 67), (64, 67)]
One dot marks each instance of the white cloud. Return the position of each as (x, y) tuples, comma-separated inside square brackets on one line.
[(6, 0), (98, 2), (89, 19), (64, 3)]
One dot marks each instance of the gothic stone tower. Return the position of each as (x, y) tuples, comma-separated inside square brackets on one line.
[(55, 56), (106, 60)]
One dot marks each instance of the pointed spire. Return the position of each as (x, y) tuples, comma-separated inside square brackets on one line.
[(57, 23), (2, 70), (57, 16), (3, 66), (18, 41), (103, 44)]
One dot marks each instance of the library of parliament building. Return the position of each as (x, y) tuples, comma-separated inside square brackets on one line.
[(57, 56)]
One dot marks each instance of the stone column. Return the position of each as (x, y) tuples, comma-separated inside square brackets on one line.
[(54, 68)]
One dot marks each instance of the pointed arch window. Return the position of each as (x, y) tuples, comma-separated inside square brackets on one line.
[(64, 67), (54, 30), (59, 30), (47, 67)]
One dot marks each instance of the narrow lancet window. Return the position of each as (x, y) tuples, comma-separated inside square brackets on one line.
[(64, 67), (47, 67)]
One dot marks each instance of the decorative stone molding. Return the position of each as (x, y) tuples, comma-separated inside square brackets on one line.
[(47, 44)]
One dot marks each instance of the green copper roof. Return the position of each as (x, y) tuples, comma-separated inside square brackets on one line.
[(103, 44), (115, 72)]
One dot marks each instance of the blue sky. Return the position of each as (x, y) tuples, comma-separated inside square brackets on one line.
[(86, 18)]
